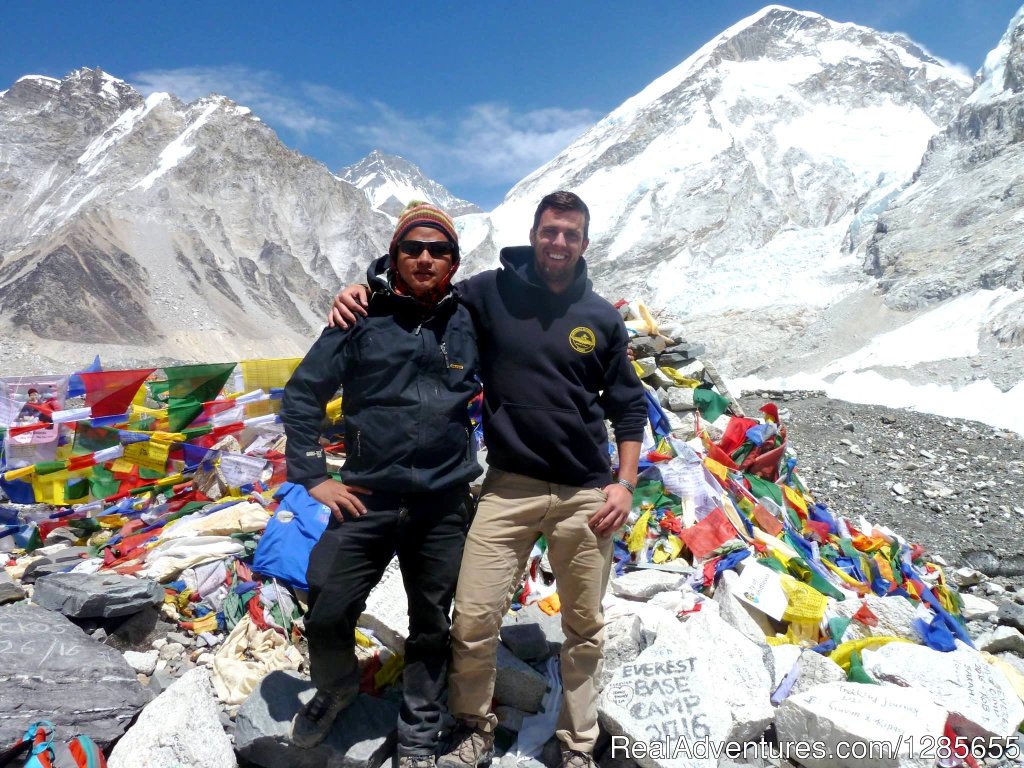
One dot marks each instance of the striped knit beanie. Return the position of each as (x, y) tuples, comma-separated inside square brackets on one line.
[(421, 214)]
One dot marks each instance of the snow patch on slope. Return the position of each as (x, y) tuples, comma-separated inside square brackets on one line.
[(993, 71), (177, 150)]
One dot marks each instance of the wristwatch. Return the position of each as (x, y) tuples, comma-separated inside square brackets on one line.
[(627, 485)]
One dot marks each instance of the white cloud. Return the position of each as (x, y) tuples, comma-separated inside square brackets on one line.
[(265, 93), (486, 143)]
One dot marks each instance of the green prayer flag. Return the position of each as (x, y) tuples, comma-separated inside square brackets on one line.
[(710, 404), (89, 439), (837, 627), (189, 386), (76, 488), (856, 674), (761, 488), (102, 483)]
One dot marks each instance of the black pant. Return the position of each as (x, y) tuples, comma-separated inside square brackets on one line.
[(428, 532)]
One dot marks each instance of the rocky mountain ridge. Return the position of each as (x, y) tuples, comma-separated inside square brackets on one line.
[(151, 228), (957, 227), (764, 195)]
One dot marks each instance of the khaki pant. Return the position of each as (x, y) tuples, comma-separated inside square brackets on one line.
[(514, 511)]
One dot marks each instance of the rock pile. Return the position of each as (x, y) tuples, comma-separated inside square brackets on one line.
[(142, 609)]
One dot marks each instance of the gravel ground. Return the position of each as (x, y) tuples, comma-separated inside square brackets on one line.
[(955, 487)]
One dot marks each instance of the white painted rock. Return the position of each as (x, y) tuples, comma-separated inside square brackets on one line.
[(752, 623), (652, 618), (895, 618), (623, 642), (700, 680), (977, 608), (142, 662), (824, 716), (644, 584), (980, 699), (780, 661), (813, 669), (181, 726), (387, 610)]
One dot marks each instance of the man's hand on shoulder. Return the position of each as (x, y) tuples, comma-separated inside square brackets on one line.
[(610, 517), (339, 497), (349, 302)]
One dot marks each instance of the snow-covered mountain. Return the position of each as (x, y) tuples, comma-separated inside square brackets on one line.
[(725, 190), (391, 182), (171, 230), (960, 225)]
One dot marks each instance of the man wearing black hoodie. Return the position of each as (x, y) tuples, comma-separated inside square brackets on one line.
[(408, 371), (554, 367)]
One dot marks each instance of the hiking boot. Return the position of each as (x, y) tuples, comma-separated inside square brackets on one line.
[(416, 761), (468, 748), (313, 722), (574, 759)]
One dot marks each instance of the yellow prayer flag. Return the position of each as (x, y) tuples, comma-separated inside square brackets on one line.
[(17, 474), (806, 604), (151, 454), (841, 655), (717, 469), (334, 410), (49, 491), (667, 549), (638, 533), (795, 499), (678, 379), (389, 671), (267, 375)]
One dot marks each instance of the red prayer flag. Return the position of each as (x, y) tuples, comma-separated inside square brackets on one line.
[(865, 616), (735, 433), (767, 521), (109, 393), (709, 534)]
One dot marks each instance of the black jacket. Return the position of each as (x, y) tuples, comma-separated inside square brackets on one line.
[(554, 367), (407, 375)]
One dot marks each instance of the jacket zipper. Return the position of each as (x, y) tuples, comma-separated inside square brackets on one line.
[(444, 354), (359, 442)]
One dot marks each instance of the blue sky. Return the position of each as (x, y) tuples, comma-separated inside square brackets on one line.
[(477, 93)]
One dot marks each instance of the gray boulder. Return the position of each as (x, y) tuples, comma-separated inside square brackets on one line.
[(180, 727), (51, 670), (531, 634), (96, 595), (363, 735), (63, 560), (517, 684), (647, 346), (1010, 614), (9, 591)]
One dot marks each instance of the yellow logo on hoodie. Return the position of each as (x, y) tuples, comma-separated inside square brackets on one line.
[(582, 339)]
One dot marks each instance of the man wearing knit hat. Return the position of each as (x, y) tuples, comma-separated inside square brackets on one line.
[(408, 371), (554, 367)]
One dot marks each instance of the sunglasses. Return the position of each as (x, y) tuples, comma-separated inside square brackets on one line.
[(436, 249)]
